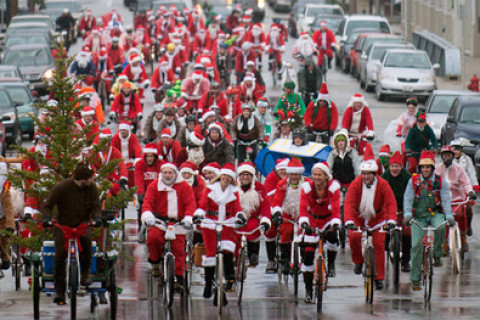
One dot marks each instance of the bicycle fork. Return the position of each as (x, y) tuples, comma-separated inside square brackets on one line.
[(73, 257)]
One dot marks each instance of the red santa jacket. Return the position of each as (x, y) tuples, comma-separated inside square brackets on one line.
[(104, 157), (139, 77), (193, 26), (32, 164), (145, 174), (241, 60), (199, 188), (244, 95), (129, 148), (207, 101), (353, 124), (94, 129), (287, 197), (254, 202), (140, 22), (174, 61), (117, 55), (232, 22), (384, 204), (94, 43), (318, 38), (258, 43), (199, 45), (126, 109), (316, 211), (192, 91), (271, 184), (275, 44), (170, 202), (159, 78), (170, 152), (87, 23), (209, 204), (321, 119)]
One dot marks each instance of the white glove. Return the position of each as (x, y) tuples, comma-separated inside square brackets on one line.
[(150, 222), (349, 224)]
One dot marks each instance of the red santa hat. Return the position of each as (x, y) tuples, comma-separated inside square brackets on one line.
[(103, 53), (249, 77), (196, 75), (324, 167), (197, 139), (323, 24), (125, 125), (262, 102), (238, 29), (85, 50), (208, 114), (122, 76), (247, 18), (282, 164), (169, 165), (250, 63), (209, 65), (295, 166), (275, 26), (89, 11), (384, 151), (181, 103), (221, 34), (303, 35), (216, 126), (323, 95), (150, 148), (87, 111), (205, 60), (247, 105), (229, 170), (246, 45), (95, 31), (368, 164), (213, 167), (246, 167), (189, 167), (166, 133), (135, 58), (106, 133), (257, 26), (357, 97), (249, 11), (396, 158)]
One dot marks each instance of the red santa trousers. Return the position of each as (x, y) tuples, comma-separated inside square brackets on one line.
[(286, 230), (210, 240), (155, 243), (378, 246), (321, 52)]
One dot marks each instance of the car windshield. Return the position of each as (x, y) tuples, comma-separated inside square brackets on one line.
[(71, 6), (27, 29), (33, 39), (314, 11), (407, 60), (332, 22), (353, 37), (372, 41), (441, 103), (178, 5), (4, 100), (27, 57), (470, 114), (9, 73), (33, 19), (19, 94), (380, 25)]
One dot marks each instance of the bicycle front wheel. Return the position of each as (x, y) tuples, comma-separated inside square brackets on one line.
[(169, 287), (241, 273), (73, 289), (320, 281), (427, 277), (369, 274), (396, 240), (455, 248), (113, 293), (188, 268), (36, 290), (219, 282), (17, 268), (296, 267)]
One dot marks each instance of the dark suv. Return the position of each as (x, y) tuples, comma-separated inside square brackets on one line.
[(9, 118)]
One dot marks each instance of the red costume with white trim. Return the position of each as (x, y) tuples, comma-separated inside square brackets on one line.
[(121, 172), (324, 40), (145, 174), (127, 108), (242, 59), (131, 153), (208, 100), (170, 152), (161, 76)]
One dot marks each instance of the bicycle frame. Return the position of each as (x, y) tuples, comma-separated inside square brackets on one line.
[(428, 239), (72, 258)]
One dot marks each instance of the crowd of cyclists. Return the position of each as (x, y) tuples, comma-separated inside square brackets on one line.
[(192, 160)]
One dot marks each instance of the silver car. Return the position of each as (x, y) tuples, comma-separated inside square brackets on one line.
[(368, 76), (404, 72)]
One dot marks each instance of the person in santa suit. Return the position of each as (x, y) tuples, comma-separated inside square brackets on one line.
[(324, 39), (239, 36), (116, 55), (169, 121), (173, 58), (232, 20), (220, 202), (211, 171), (249, 89), (87, 122), (105, 70), (184, 135), (146, 171), (184, 38), (245, 55), (201, 41), (193, 151), (196, 23), (213, 30), (140, 20), (168, 199), (126, 105), (234, 105), (357, 119), (255, 205), (218, 42), (275, 48), (256, 74), (321, 115), (189, 172), (370, 202), (136, 73), (87, 23), (285, 205), (127, 40), (168, 147), (257, 38), (83, 64), (193, 88), (127, 143), (212, 73), (95, 41), (304, 48), (162, 75), (118, 177), (143, 40), (319, 209), (217, 148), (213, 97), (383, 159)]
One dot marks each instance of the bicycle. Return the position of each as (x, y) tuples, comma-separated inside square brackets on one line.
[(295, 259), (319, 136), (274, 68), (241, 274), (248, 150), (188, 268), (393, 254), (455, 243), (427, 268), (342, 233)]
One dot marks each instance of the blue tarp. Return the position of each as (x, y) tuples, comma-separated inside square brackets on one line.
[(267, 158)]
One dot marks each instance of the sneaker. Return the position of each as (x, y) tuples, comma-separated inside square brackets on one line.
[(331, 271), (406, 267), (438, 262), (308, 295), (207, 291), (416, 285), (358, 268), (271, 267), (379, 284), (85, 280), (229, 285), (5, 265), (286, 268), (253, 260), (59, 300)]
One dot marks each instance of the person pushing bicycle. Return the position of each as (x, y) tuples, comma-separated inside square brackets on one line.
[(427, 199)]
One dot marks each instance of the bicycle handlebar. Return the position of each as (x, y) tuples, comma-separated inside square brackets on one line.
[(249, 233), (414, 221), (243, 143)]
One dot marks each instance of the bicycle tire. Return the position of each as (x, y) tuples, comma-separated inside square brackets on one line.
[(320, 278), (454, 249), (169, 286), (73, 289), (188, 268), (93, 302), (296, 268), (274, 71), (428, 277), (369, 274), (241, 273), (219, 282), (396, 238), (17, 268), (113, 293), (36, 290), (278, 262)]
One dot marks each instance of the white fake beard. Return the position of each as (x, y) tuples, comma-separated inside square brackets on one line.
[(164, 69), (140, 37), (256, 32), (83, 61), (41, 149), (196, 157), (250, 201), (168, 182), (136, 70), (250, 91), (201, 36), (273, 34), (212, 32), (190, 181)]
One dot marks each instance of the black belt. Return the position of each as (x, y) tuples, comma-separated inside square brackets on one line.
[(212, 213), (317, 216)]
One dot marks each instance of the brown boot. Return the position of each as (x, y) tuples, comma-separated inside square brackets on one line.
[(463, 237), (445, 249)]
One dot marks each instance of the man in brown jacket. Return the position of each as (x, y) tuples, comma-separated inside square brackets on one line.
[(169, 122), (6, 214), (77, 202), (245, 129)]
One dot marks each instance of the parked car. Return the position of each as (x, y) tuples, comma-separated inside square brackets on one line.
[(10, 71), (3, 145), (347, 45), (368, 75), (25, 27), (281, 5), (354, 51), (28, 38), (35, 62), (9, 118), (403, 72), (352, 22), (23, 98), (42, 18), (312, 10), (438, 105), (333, 21), (463, 123)]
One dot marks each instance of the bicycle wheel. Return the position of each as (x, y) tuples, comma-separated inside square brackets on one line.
[(36, 290), (17, 268), (113, 293), (73, 289), (219, 282), (427, 277), (455, 250), (396, 240), (188, 268), (296, 267), (369, 274), (241, 273), (93, 302), (278, 262), (274, 72), (169, 286), (320, 280), (324, 68)]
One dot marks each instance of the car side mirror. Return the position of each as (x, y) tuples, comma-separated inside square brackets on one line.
[(451, 119), (436, 66)]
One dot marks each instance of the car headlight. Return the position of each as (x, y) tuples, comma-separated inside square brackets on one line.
[(261, 4), (8, 117), (385, 76), (49, 74), (465, 142), (428, 79)]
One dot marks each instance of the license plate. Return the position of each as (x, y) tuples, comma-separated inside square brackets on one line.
[(408, 88)]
